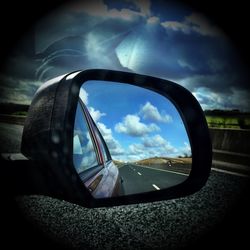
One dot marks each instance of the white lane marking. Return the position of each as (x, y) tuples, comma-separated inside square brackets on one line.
[(230, 172), (169, 171), (139, 173), (157, 188), (121, 166)]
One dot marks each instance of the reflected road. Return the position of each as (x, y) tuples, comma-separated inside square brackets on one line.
[(137, 179)]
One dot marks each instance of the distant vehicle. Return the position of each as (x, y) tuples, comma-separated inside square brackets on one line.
[(169, 163)]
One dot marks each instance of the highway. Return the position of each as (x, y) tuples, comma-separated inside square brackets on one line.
[(137, 179), (215, 217), (10, 137)]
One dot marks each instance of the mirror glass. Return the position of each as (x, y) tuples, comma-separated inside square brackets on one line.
[(128, 140)]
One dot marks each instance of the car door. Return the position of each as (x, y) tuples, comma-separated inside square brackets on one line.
[(91, 157)]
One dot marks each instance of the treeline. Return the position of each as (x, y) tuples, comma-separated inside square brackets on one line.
[(220, 112), (228, 119), (13, 108)]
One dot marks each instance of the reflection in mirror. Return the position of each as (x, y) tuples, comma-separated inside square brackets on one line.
[(128, 140)]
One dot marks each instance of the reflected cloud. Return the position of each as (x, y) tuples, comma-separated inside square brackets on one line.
[(132, 126), (149, 111)]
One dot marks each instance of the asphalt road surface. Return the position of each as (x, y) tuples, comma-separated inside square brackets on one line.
[(138, 179), (216, 217), (10, 138)]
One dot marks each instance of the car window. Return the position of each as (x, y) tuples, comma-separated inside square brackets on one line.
[(84, 154)]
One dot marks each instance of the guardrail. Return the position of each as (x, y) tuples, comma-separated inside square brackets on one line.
[(231, 149), (13, 119), (231, 140)]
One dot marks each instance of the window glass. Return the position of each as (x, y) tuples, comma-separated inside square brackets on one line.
[(84, 155)]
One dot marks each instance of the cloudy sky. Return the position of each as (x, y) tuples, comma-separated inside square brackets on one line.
[(136, 123), (158, 38)]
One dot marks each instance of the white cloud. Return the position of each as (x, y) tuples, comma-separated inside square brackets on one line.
[(125, 14), (153, 20), (208, 99), (77, 144), (95, 114), (234, 98), (177, 26), (150, 112), (99, 9), (154, 146), (83, 96), (214, 94), (154, 141), (185, 150), (132, 125), (157, 141), (193, 23), (136, 149), (185, 64), (96, 49), (114, 146), (87, 151)]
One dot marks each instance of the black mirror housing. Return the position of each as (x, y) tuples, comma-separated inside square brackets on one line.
[(48, 132)]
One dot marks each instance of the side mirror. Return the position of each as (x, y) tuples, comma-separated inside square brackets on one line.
[(103, 138)]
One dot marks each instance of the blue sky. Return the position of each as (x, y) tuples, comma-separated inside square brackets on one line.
[(160, 38), (136, 123)]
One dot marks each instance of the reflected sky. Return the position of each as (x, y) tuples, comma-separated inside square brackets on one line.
[(136, 123)]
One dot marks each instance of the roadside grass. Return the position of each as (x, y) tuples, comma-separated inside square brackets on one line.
[(228, 122), (20, 113)]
